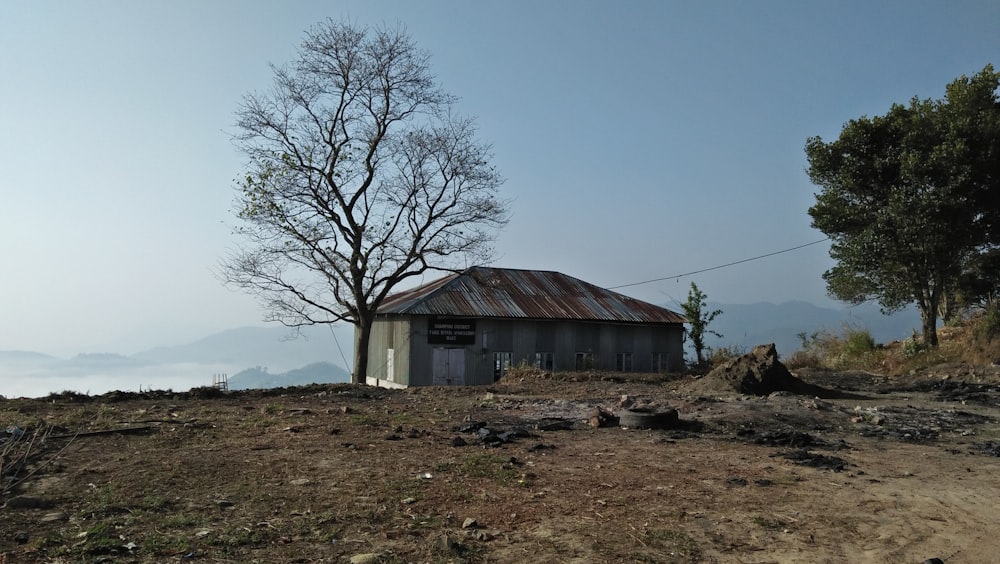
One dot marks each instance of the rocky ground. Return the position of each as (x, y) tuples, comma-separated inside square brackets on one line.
[(865, 468)]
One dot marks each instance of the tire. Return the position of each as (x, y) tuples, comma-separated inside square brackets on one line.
[(638, 419)]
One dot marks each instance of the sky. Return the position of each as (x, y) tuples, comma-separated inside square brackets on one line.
[(639, 140)]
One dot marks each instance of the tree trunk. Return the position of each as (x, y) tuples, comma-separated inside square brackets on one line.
[(929, 321), (928, 318), (364, 333)]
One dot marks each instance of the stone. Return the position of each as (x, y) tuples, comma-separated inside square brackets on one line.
[(447, 543), (482, 535), (28, 502), (933, 561), (53, 517), (458, 442), (470, 523), (600, 417), (366, 558)]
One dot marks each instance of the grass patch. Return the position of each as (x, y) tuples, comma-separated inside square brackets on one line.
[(769, 523), (483, 465), (364, 419)]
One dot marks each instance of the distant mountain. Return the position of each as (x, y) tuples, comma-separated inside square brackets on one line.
[(185, 366), (25, 357), (747, 325), (261, 346), (101, 361), (316, 373)]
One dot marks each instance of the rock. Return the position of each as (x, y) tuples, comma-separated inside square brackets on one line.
[(470, 523), (447, 543), (458, 442), (53, 517), (601, 417), (366, 558), (224, 503), (28, 502), (736, 481), (300, 481), (933, 561), (21, 537), (482, 535)]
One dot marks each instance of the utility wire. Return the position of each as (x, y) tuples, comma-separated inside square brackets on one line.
[(720, 266), (336, 340)]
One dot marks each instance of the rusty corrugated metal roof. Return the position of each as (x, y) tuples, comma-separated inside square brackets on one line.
[(527, 294)]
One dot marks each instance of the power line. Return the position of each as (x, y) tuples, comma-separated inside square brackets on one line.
[(720, 266)]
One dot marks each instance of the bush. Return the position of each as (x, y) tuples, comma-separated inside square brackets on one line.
[(987, 325), (913, 346), (722, 355), (852, 347)]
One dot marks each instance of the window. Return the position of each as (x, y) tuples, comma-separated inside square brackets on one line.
[(584, 360), (623, 362), (501, 364), (543, 360), (658, 362)]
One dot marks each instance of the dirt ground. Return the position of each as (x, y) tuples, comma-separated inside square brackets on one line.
[(878, 470)]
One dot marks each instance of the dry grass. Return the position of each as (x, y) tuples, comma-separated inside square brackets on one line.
[(976, 341)]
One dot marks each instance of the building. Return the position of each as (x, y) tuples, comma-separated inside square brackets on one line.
[(469, 328)]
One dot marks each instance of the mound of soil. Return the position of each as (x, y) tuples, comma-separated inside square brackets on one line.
[(757, 373)]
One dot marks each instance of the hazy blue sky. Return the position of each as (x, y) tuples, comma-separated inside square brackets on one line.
[(639, 140)]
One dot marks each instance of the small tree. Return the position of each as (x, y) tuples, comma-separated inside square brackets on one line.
[(358, 177), (698, 318)]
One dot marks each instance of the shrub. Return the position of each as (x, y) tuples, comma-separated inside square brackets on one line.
[(987, 325), (857, 342), (852, 347), (721, 355)]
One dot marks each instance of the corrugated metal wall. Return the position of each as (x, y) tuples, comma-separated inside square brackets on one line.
[(522, 338)]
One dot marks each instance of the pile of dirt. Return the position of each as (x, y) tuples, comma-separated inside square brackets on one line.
[(757, 373)]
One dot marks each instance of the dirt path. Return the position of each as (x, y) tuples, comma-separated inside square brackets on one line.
[(330, 473)]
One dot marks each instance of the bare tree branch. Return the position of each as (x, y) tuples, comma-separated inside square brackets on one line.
[(358, 177)]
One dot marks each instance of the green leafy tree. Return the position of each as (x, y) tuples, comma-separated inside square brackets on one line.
[(358, 176), (698, 318), (911, 199)]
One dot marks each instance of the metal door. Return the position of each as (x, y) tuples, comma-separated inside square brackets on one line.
[(449, 367)]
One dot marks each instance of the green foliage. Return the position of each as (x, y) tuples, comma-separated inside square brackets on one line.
[(909, 199), (988, 324), (698, 319), (851, 348), (858, 342)]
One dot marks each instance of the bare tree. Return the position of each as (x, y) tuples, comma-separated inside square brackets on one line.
[(359, 176)]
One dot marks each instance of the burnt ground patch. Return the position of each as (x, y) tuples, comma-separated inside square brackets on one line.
[(788, 438), (959, 391), (914, 424), (803, 457)]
